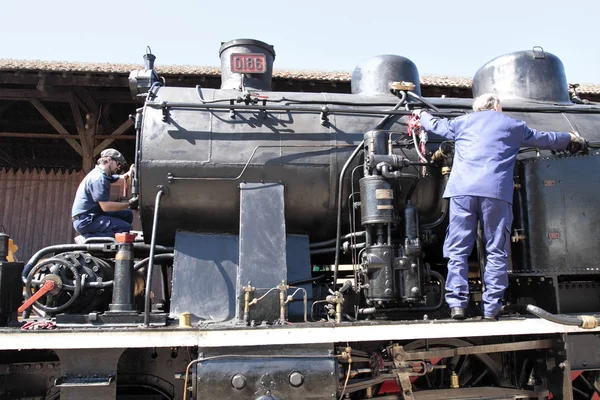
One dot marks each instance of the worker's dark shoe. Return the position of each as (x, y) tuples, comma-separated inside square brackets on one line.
[(457, 313), (490, 318)]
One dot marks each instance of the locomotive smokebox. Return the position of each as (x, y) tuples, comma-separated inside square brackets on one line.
[(531, 75), (373, 76), (246, 64)]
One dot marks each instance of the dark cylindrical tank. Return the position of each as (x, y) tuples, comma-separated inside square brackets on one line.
[(373, 76), (293, 148), (237, 81), (532, 75), (377, 201)]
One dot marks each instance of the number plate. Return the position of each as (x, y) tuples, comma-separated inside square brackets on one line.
[(248, 63)]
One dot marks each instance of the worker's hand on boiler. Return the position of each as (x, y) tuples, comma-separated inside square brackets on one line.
[(577, 144), (417, 112), (133, 203), (131, 172)]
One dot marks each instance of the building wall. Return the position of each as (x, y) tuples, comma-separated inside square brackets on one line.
[(35, 207)]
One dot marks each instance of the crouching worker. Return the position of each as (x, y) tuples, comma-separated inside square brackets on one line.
[(480, 188), (93, 214)]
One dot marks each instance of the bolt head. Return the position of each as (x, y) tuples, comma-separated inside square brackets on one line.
[(296, 379), (238, 381)]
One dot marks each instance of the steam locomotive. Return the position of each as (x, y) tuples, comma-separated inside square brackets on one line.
[(292, 250)]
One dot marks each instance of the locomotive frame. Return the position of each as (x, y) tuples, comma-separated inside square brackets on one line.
[(240, 333)]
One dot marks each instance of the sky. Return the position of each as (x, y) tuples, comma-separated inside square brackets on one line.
[(448, 38)]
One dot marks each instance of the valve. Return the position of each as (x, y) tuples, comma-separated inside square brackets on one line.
[(48, 286)]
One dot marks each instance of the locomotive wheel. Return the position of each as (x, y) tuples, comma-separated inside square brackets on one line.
[(68, 285), (587, 386), (472, 370)]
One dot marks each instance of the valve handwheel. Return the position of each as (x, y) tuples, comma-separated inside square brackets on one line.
[(60, 284)]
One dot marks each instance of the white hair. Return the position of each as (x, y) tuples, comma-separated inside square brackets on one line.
[(487, 101)]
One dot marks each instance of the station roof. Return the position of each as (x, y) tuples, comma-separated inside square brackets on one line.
[(198, 71)]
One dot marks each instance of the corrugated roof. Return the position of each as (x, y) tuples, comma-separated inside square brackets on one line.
[(331, 76)]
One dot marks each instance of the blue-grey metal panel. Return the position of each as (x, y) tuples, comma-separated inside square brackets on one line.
[(262, 245), (204, 276)]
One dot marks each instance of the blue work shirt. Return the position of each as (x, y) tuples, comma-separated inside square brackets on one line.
[(486, 145), (94, 188)]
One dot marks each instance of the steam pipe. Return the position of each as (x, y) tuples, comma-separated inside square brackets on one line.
[(421, 156), (582, 321), (161, 191), (443, 211), (556, 318), (90, 247), (591, 109), (138, 132), (422, 100), (103, 239), (159, 257), (339, 210), (58, 249), (319, 110), (332, 241), (389, 116), (332, 249), (386, 173)]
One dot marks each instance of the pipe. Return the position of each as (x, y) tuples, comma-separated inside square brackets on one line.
[(443, 211), (161, 191), (326, 250), (147, 247), (159, 257), (332, 241), (319, 110), (308, 280), (99, 285), (421, 156), (61, 248), (339, 210), (96, 247), (138, 132), (582, 321), (103, 239), (533, 107), (422, 100), (381, 123), (386, 173), (556, 318), (389, 116)]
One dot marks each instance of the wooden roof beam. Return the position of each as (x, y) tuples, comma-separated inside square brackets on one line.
[(56, 125), (37, 135), (119, 131), (28, 94)]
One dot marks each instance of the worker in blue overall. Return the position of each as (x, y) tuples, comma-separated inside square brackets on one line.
[(480, 188), (93, 214)]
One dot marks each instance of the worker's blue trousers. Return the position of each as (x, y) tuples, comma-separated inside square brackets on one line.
[(103, 225), (496, 219)]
